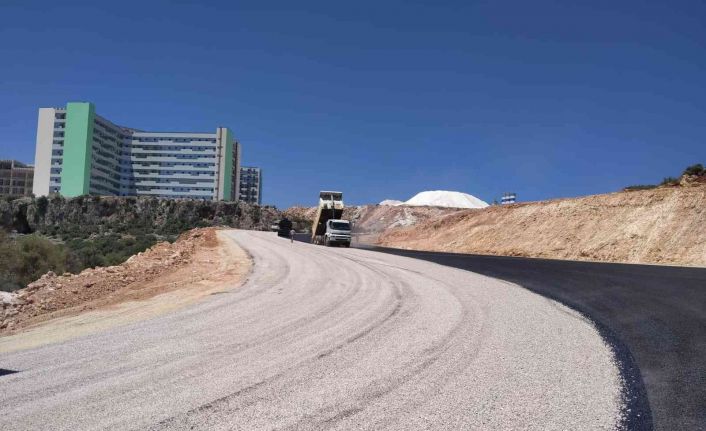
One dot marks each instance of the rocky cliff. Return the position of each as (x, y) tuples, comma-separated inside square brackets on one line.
[(81, 215)]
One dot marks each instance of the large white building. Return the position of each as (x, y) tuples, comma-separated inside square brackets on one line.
[(251, 185), (79, 152)]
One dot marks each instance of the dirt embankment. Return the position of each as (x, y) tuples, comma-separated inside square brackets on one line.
[(197, 261), (663, 225), (300, 213), (369, 221)]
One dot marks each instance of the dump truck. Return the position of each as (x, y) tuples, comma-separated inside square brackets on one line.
[(284, 228), (328, 228)]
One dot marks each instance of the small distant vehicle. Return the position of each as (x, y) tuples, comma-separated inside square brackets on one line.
[(284, 228), (274, 227), (329, 228)]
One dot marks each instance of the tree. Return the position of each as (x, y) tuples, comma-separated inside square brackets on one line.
[(697, 169)]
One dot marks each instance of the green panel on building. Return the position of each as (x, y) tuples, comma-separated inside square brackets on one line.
[(228, 175), (78, 138)]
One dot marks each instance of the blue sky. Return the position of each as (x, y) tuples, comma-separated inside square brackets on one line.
[(381, 99)]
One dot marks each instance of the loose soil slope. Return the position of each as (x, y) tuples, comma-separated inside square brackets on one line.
[(197, 261), (664, 225), (369, 221), (376, 219)]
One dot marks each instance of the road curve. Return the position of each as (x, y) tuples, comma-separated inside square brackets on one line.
[(652, 315), (322, 338)]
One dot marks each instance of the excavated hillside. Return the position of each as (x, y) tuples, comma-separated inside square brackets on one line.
[(664, 225), (369, 221), (195, 261)]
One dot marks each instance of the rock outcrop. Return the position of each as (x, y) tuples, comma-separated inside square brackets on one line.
[(93, 214)]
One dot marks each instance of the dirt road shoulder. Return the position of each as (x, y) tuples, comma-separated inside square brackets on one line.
[(217, 265)]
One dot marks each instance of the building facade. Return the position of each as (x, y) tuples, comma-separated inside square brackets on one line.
[(15, 178), (79, 153), (251, 185)]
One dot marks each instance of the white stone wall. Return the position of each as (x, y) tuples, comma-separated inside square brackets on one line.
[(43, 150)]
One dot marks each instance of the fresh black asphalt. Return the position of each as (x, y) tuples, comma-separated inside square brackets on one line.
[(653, 316)]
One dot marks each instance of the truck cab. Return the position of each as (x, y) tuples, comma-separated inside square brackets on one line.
[(338, 232)]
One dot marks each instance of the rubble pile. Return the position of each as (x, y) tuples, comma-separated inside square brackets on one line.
[(54, 295)]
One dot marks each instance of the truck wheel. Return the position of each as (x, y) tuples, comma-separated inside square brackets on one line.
[(326, 242), (347, 245)]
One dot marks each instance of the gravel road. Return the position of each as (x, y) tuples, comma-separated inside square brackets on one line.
[(653, 316), (322, 338)]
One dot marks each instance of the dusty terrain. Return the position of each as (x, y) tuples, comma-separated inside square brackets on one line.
[(662, 226), (300, 213), (375, 219), (369, 221), (164, 277)]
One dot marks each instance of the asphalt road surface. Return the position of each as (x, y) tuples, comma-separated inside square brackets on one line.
[(322, 338), (654, 316)]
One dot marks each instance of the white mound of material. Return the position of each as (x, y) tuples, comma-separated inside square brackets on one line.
[(443, 198), (391, 202)]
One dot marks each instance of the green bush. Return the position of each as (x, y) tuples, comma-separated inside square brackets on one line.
[(640, 187), (109, 249), (697, 169), (28, 257), (89, 231), (669, 181), (42, 205)]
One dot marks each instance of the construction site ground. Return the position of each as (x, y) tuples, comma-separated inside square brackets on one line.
[(661, 226), (164, 278)]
